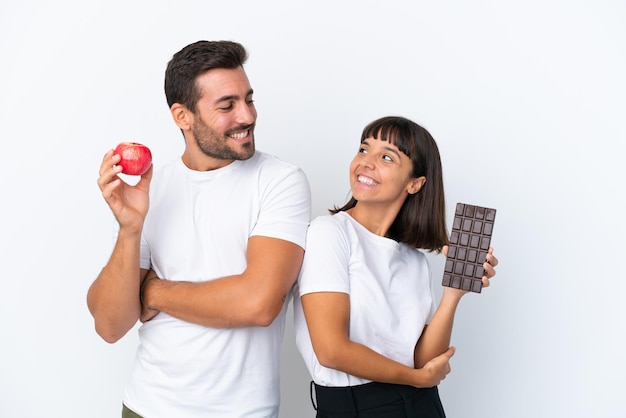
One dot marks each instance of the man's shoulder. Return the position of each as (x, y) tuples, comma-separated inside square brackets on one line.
[(168, 165), (271, 166), (265, 159)]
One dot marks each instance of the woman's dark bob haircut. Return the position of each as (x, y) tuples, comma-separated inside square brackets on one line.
[(421, 222)]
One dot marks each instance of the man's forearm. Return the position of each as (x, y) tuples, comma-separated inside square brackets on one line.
[(113, 298), (228, 302), (252, 298)]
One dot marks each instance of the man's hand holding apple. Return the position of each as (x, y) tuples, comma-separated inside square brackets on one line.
[(128, 203)]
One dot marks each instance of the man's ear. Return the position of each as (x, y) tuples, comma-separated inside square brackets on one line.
[(416, 184), (183, 118)]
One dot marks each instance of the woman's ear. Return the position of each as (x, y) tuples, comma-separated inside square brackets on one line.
[(416, 184), (182, 116)]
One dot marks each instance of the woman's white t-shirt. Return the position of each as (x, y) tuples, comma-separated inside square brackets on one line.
[(389, 283)]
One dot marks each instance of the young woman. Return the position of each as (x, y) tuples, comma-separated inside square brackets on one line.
[(365, 317)]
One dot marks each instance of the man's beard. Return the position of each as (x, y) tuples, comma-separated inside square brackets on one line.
[(216, 146)]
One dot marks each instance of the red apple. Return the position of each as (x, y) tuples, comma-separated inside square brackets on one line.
[(136, 158)]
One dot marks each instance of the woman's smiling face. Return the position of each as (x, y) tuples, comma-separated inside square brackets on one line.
[(381, 173)]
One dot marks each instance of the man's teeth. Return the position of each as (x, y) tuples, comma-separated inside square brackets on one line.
[(239, 135), (366, 180)]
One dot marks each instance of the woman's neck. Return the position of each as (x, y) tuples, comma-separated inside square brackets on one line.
[(375, 218)]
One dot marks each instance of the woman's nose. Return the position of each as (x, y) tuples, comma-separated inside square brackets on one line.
[(367, 161)]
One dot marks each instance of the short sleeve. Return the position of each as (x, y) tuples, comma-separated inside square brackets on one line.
[(326, 258), (285, 204)]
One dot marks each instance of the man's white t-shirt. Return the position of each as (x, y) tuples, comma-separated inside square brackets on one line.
[(197, 229), (389, 283)]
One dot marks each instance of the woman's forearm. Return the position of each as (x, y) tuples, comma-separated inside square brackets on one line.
[(435, 338)]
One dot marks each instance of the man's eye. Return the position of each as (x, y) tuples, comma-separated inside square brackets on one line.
[(387, 158), (362, 150)]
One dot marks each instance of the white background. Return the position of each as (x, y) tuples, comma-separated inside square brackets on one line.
[(527, 101)]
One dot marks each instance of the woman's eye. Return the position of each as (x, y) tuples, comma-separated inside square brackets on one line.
[(387, 158), (362, 150)]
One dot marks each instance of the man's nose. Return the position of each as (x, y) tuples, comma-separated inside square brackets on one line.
[(246, 114)]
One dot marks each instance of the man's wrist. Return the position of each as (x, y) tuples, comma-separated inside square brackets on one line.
[(142, 292)]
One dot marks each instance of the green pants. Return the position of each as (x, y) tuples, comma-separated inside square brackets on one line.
[(127, 413)]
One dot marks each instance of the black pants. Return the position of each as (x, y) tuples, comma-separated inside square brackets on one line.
[(377, 400)]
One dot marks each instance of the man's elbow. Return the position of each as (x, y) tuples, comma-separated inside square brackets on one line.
[(264, 313), (264, 321), (109, 334)]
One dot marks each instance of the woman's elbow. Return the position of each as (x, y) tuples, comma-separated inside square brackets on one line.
[(328, 357)]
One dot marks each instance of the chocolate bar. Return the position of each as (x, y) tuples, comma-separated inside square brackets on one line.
[(469, 243)]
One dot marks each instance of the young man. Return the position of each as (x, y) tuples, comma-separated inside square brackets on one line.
[(207, 252)]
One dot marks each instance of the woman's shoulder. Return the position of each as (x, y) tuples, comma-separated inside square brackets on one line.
[(337, 220), (329, 225)]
